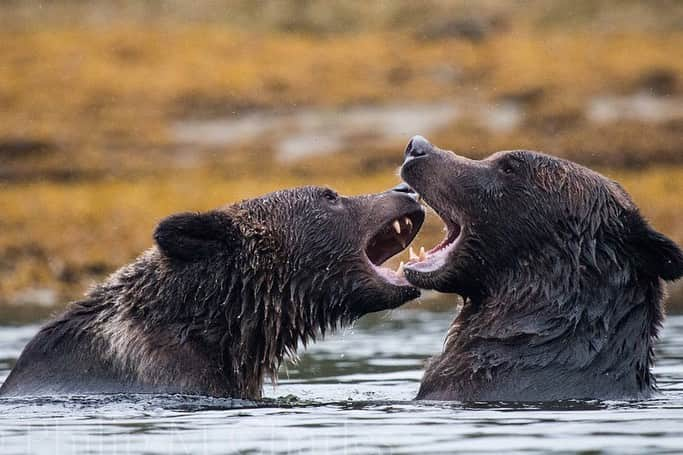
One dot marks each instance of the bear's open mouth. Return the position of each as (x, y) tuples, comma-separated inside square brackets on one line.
[(391, 239), (435, 258)]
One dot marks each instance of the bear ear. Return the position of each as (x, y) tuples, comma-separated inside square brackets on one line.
[(192, 236), (657, 254)]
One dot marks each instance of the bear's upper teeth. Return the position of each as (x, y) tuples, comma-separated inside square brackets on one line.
[(423, 253), (397, 226), (408, 223)]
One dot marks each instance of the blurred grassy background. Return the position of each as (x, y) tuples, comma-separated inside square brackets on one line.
[(115, 114)]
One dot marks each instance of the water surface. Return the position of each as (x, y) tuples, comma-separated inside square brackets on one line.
[(350, 393)]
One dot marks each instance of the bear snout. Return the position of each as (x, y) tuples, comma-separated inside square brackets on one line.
[(417, 146)]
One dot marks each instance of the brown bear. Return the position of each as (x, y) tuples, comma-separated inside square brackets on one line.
[(225, 295), (560, 275)]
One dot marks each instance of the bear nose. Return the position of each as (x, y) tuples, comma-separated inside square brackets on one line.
[(417, 147), (404, 188)]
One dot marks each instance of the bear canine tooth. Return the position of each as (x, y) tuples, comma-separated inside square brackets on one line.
[(413, 256), (397, 226), (399, 270), (408, 223), (423, 253)]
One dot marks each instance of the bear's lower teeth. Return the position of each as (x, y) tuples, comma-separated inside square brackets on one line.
[(417, 258)]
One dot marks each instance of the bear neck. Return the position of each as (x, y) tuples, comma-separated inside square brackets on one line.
[(231, 318), (559, 335)]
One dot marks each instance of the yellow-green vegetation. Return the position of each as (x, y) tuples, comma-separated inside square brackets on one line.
[(100, 95), (90, 93)]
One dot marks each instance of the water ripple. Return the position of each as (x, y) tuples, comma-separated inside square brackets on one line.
[(351, 393)]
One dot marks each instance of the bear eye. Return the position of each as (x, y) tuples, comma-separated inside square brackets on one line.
[(331, 196), (509, 166)]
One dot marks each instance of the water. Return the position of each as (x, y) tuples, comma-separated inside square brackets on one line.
[(302, 132), (641, 106), (350, 393)]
